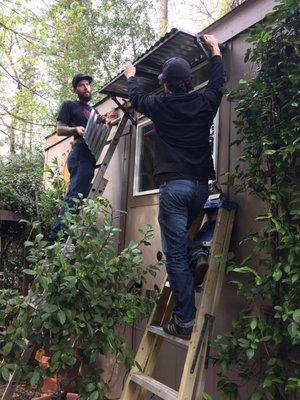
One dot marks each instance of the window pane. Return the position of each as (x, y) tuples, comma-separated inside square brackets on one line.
[(201, 75), (146, 178)]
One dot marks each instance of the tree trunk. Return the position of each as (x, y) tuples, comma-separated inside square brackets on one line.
[(30, 137), (23, 136), (163, 17), (12, 140)]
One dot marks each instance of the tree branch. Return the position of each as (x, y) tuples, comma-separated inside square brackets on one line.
[(23, 35), (24, 119), (20, 83)]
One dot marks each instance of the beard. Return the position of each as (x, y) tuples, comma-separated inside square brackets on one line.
[(85, 97)]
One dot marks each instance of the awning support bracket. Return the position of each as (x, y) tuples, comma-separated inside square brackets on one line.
[(125, 111)]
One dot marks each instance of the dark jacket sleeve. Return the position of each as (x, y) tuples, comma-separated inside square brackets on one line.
[(212, 92), (141, 101)]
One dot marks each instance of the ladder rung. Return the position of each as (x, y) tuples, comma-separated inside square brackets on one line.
[(158, 330), (155, 387)]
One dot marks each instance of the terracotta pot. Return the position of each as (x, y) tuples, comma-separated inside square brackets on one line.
[(70, 396), (51, 383)]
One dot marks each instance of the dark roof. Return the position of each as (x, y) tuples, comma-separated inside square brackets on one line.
[(175, 43)]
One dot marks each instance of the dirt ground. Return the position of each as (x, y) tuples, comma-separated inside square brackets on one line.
[(22, 392)]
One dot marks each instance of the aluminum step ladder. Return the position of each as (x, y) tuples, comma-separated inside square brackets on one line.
[(140, 381)]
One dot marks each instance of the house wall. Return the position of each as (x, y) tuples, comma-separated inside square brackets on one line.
[(143, 210)]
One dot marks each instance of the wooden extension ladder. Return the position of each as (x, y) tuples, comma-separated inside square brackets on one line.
[(97, 189), (139, 381)]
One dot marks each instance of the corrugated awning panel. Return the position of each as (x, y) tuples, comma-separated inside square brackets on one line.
[(149, 65)]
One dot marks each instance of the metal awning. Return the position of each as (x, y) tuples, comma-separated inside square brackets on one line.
[(175, 43)]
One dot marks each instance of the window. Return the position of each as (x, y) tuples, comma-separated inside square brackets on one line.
[(144, 160), (143, 183), (201, 75)]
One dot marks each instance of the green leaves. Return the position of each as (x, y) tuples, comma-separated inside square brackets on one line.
[(35, 377), (61, 317), (5, 373), (68, 359), (268, 329), (206, 396), (256, 396), (7, 348), (94, 396), (78, 298), (29, 272)]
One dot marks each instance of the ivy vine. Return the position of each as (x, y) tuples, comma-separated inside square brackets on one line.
[(262, 345)]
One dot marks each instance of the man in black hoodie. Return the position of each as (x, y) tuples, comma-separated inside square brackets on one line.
[(183, 166)]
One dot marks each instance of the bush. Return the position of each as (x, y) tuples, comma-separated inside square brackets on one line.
[(80, 298), (22, 191), (21, 182)]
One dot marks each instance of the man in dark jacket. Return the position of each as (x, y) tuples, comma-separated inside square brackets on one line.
[(183, 166), (71, 121)]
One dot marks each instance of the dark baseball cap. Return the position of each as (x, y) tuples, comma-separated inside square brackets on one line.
[(80, 77), (175, 69)]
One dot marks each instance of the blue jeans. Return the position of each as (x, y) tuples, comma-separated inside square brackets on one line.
[(180, 201), (81, 165)]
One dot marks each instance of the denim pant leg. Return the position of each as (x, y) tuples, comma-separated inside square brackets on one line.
[(174, 201), (180, 201), (81, 179), (201, 196), (81, 165)]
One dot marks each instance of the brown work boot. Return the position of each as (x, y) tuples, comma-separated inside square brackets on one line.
[(176, 330)]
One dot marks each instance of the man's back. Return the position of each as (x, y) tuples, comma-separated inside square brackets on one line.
[(182, 122)]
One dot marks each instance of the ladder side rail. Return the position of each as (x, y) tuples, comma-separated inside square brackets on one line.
[(188, 379), (153, 355), (136, 388), (203, 370), (148, 343)]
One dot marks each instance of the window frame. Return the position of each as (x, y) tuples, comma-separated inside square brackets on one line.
[(137, 159)]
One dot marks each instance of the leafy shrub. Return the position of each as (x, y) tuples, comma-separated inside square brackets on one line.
[(22, 191), (50, 199), (20, 182), (78, 299)]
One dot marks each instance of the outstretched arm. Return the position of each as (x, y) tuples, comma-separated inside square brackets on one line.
[(140, 100), (212, 91)]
